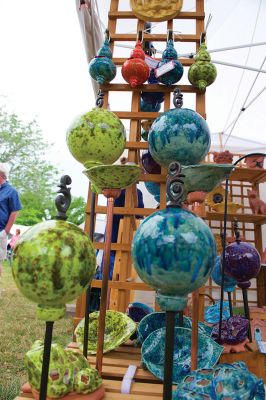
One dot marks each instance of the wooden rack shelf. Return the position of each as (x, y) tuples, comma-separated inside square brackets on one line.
[(124, 87), (129, 15), (248, 218)]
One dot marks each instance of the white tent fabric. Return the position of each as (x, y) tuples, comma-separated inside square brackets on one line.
[(236, 144), (91, 31)]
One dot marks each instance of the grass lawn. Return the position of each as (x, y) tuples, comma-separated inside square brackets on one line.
[(18, 330)]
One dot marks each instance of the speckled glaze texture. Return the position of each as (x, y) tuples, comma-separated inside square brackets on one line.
[(156, 320), (118, 329), (229, 282), (54, 262), (173, 76), (101, 68), (205, 177), (149, 164), (153, 353), (234, 330), (212, 313), (242, 262), (179, 135), (97, 137), (148, 107), (174, 252), (202, 73), (156, 10), (113, 176), (226, 381), (68, 371), (134, 70)]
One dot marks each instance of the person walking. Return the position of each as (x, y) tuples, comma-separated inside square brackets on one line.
[(9, 208)]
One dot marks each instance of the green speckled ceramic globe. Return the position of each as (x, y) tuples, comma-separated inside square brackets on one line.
[(54, 262), (97, 137)]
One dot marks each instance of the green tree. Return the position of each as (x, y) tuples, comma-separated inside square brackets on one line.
[(22, 146), (76, 212)]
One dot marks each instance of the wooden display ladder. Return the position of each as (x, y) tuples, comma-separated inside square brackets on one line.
[(135, 145)]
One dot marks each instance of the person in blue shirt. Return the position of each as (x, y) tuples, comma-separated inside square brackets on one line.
[(9, 207)]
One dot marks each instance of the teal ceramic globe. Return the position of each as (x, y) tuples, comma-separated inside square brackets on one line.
[(179, 135), (54, 262), (174, 252), (97, 137)]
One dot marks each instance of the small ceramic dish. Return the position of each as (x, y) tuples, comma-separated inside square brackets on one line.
[(113, 176), (118, 329), (156, 320), (153, 353)]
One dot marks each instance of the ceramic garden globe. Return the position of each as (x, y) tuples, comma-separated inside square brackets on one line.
[(97, 137), (54, 262), (242, 262), (174, 252), (179, 135), (229, 282)]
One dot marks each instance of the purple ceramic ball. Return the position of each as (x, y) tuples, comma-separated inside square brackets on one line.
[(149, 164), (242, 262)]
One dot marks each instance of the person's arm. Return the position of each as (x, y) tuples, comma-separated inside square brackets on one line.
[(11, 220)]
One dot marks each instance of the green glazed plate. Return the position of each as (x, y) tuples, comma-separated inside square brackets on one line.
[(113, 176), (118, 329), (205, 177)]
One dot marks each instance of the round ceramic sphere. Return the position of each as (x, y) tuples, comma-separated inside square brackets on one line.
[(97, 137), (150, 166), (149, 107), (229, 282), (174, 252), (54, 262), (242, 262), (179, 135)]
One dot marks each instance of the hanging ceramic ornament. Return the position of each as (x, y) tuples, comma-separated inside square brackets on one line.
[(179, 135), (97, 137), (153, 99), (202, 73), (156, 10), (169, 59), (135, 71), (101, 68), (229, 283)]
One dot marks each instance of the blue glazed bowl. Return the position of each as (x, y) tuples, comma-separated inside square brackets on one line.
[(179, 135), (174, 252), (212, 313), (156, 320), (137, 311), (226, 381), (153, 352)]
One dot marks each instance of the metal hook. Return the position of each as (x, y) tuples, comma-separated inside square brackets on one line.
[(100, 99), (107, 35), (203, 38), (140, 36), (170, 35)]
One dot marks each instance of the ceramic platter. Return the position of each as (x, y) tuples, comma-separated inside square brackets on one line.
[(156, 320), (153, 351), (113, 176), (118, 329)]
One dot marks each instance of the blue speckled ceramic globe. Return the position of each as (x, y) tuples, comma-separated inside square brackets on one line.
[(174, 252), (101, 68), (229, 282), (179, 135)]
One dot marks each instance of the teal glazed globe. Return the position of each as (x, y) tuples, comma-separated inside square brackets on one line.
[(179, 135), (101, 68), (96, 138), (174, 252), (54, 262)]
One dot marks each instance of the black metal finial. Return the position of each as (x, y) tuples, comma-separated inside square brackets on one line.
[(236, 230), (175, 185), (63, 199), (178, 98), (99, 100)]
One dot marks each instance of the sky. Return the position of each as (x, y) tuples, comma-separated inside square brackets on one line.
[(44, 73)]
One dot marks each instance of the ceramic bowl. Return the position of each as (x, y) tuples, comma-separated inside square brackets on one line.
[(137, 311), (226, 381), (118, 329), (153, 352), (156, 320), (205, 177), (212, 313), (113, 176), (232, 208)]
